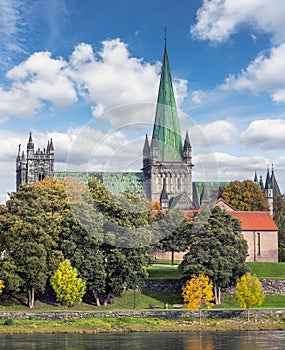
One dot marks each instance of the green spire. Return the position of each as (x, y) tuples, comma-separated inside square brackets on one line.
[(166, 128)]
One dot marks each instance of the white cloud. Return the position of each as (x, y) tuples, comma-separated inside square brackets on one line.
[(227, 167), (113, 78), (44, 78), (262, 75), (198, 96), (265, 134), (106, 79), (216, 20), (220, 132), (13, 14)]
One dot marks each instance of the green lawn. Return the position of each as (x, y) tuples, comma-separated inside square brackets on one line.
[(270, 302), (164, 273), (268, 270), (166, 262), (262, 270), (142, 299)]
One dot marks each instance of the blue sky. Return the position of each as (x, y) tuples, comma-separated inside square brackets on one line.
[(86, 74)]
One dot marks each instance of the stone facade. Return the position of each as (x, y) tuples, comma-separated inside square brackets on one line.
[(36, 166), (262, 246)]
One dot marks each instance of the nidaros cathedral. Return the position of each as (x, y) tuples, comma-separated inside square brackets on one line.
[(166, 175)]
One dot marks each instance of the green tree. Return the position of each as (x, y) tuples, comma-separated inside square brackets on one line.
[(84, 252), (249, 292), (197, 292), (178, 239), (126, 239), (68, 287), (217, 249), (28, 240), (279, 218), (245, 195)]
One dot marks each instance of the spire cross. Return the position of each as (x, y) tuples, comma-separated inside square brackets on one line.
[(165, 35)]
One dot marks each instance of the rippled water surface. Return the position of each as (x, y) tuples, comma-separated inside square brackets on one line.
[(148, 341)]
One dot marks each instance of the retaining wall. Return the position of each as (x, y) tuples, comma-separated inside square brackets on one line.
[(270, 286)]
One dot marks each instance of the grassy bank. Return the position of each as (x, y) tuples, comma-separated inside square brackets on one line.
[(133, 324), (138, 301)]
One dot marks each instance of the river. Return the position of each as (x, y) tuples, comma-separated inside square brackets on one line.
[(148, 341)]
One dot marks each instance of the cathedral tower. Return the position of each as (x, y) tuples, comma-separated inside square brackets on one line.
[(167, 165), (37, 166)]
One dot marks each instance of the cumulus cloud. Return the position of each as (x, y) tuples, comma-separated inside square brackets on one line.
[(216, 20), (227, 167), (263, 74), (198, 96), (220, 132), (265, 134), (106, 79)]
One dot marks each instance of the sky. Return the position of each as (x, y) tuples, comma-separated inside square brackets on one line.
[(86, 72)]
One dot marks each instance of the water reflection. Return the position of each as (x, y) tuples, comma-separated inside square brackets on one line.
[(148, 341)]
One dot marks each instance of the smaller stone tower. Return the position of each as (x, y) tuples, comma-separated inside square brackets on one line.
[(36, 166), (268, 191)]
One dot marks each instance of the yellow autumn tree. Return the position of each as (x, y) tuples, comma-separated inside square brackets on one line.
[(197, 292), (68, 287), (249, 292), (2, 286)]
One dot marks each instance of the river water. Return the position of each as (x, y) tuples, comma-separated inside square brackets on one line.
[(148, 341)]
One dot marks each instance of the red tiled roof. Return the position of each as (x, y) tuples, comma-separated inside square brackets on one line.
[(254, 220)]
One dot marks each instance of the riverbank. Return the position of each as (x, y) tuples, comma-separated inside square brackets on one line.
[(139, 322)]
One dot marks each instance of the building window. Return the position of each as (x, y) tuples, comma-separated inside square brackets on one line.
[(178, 184), (258, 244)]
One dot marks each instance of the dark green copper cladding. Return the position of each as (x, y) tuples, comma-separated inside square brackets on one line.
[(166, 125)]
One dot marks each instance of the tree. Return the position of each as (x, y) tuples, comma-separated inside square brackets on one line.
[(249, 292), (279, 218), (178, 239), (245, 195), (28, 240), (217, 249), (2, 286), (198, 291), (126, 239), (68, 287)]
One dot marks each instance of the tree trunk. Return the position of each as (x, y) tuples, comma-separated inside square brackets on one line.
[(172, 257), (217, 295), (96, 297), (247, 314), (200, 316), (107, 299), (31, 298)]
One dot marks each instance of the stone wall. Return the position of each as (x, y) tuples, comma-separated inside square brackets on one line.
[(270, 286), (229, 314)]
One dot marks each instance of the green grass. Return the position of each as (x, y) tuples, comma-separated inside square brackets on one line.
[(270, 302), (143, 299), (135, 324), (123, 303), (262, 270), (164, 273), (268, 270), (166, 262)]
